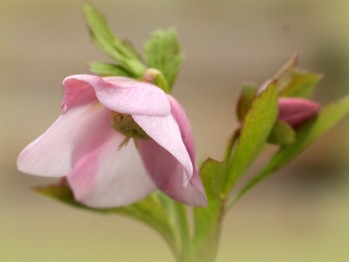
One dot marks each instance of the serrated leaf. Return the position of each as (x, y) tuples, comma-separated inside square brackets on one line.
[(149, 210), (105, 39), (105, 69), (210, 172), (254, 133), (163, 52), (100, 30), (305, 135), (245, 101), (301, 85), (282, 134), (207, 220), (285, 74)]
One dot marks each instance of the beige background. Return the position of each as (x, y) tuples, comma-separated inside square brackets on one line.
[(299, 215)]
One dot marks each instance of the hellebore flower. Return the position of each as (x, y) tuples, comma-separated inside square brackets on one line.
[(116, 141), (296, 111)]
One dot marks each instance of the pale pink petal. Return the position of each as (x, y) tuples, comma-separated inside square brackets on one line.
[(296, 111), (127, 96), (80, 130), (111, 176), (76, 92), (180, 116), (166, 132), (167, 173), (184, 124)]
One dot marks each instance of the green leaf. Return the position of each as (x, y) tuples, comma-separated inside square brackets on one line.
[(105, 69), (100, 31), (149, 210), (285, 74), (282, 134), (207, 220), (246, 99), (163, 52), (302, 85), (305, 135), (254, 133), (294, 83), (105, 39)]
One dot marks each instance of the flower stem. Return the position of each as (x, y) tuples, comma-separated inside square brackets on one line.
[(207, 250), (186, 252)]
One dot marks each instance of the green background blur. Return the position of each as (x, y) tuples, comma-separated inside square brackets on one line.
[(301, 214)]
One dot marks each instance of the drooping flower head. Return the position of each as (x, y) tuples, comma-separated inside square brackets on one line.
[(116, 141)]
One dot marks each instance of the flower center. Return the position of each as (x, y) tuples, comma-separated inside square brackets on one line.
[(126, 125)]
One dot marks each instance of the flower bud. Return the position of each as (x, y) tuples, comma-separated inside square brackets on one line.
[(297, 111)]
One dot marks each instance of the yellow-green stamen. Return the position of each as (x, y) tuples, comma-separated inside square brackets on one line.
[(126, 125)]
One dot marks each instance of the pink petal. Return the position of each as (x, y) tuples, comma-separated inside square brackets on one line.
[(165, 169), (296, 111), (180, 116), (127, 96), (167, 173), (184, 124), (73, 134), (166, 132), (111, 177), (76, 92)]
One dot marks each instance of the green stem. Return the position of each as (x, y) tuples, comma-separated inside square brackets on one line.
[(154, 76), (225, 173), (206, 250), (162, 82), (185, 254), (231, 145)]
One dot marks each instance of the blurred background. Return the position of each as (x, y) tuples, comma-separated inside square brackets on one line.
[(300, 214)]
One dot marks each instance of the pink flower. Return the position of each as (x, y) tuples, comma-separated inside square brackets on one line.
[(116, 141), (296, 111)]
